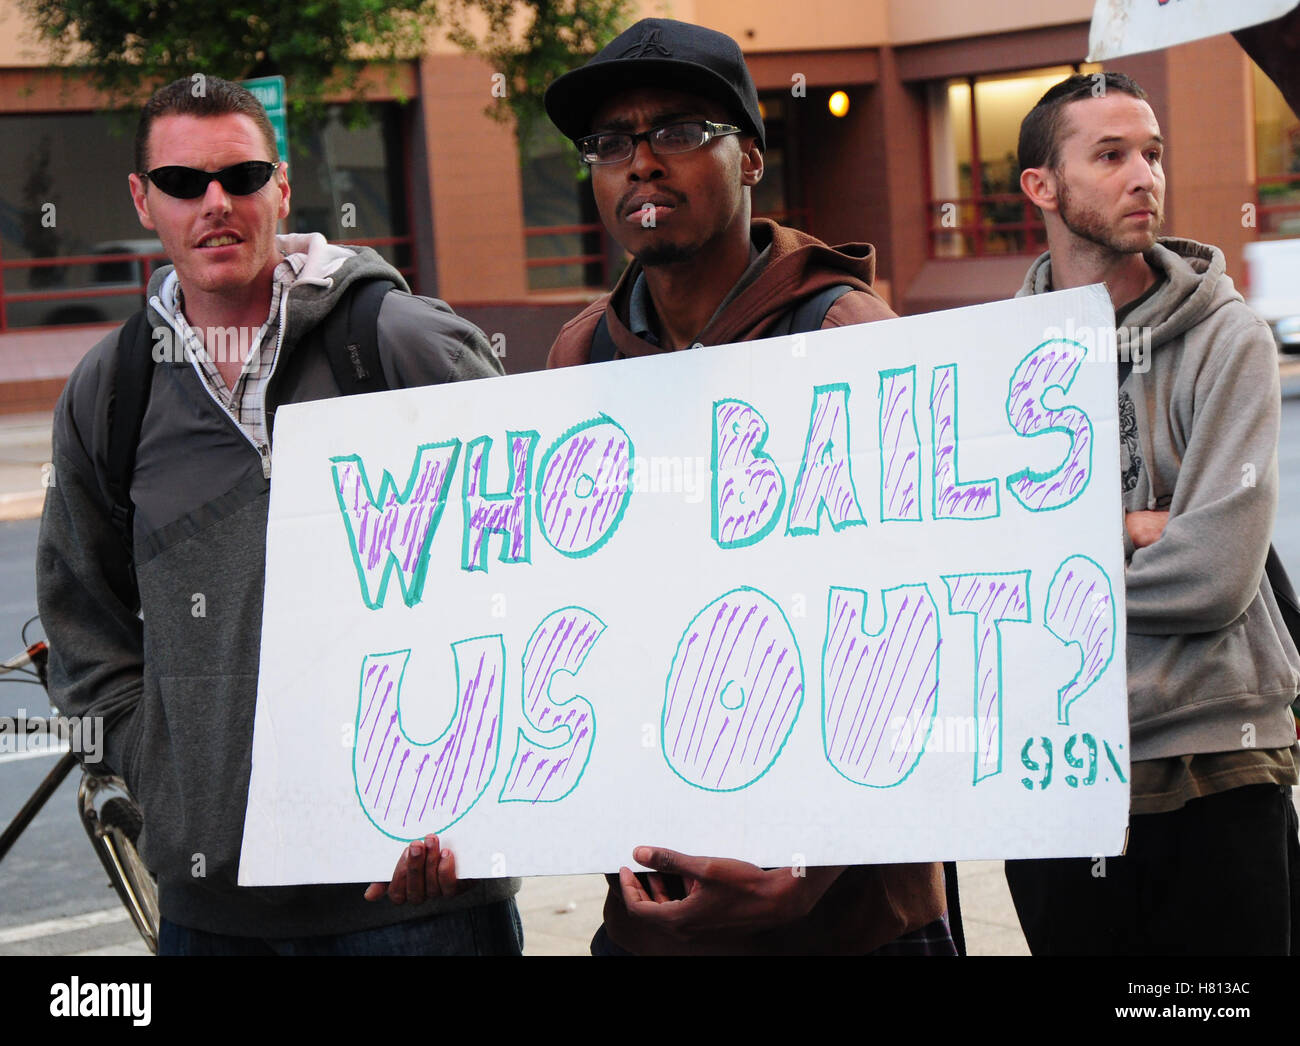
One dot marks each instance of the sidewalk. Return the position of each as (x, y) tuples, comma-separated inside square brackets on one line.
[(24, 464)]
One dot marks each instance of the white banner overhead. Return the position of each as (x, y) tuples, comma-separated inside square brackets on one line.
[(1124, 27), (793, 601)]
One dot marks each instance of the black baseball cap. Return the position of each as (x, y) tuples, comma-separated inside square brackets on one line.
[(658, 52)]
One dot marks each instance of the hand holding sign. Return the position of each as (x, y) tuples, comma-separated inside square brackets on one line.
[(424, 871), (721, 895)]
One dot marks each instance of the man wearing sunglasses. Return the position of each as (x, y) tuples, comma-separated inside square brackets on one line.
[(667, 117), (160, 633)]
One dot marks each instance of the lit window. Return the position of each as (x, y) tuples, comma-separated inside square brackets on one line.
[(976, 206), (1277, 162)]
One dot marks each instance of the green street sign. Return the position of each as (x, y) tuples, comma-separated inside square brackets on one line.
[(269, 90)]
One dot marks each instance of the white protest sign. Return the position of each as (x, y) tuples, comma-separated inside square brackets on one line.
[(1125, 27), (847, 597)]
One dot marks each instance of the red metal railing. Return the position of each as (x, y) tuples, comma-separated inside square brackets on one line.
[(557, 260), (147, 262), (1263, 209), (137, 289), (1033, 238)]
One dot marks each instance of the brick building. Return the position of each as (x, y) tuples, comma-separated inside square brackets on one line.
[(916, 156)]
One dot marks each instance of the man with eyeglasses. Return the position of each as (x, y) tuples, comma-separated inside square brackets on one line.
[(667, 116), (159, 633)]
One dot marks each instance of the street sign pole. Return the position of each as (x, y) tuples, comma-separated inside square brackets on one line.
[(269, 90)]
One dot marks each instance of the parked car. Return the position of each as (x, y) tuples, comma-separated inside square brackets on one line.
[(1273, 288), (124, 274)]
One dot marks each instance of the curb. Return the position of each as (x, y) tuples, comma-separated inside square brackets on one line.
[(15, 507)]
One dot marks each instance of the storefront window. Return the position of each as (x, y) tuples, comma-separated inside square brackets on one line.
[(1277, 161), (977, 207), (63, 195), (777, 194), (566, 244), (349, 182)]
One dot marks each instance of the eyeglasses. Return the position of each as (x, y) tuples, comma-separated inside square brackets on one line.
[(617, 146), (187, 183)]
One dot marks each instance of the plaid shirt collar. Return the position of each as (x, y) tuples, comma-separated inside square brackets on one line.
[(245, 402)]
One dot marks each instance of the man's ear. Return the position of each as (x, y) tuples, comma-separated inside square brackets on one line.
[(751, 161), (1039, 184), (282, 183), (140, 197)]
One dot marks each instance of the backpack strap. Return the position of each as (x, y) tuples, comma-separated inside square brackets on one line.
[(349, 336), (809, 314), (602, 343), (126, 406), (1284, 593)]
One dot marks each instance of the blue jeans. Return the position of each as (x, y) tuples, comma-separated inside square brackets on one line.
[(488, 929)]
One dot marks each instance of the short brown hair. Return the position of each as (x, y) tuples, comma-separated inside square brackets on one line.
[(1040, 131), (208, 96)]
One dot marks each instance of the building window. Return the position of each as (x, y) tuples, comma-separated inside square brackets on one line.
[(72, 250), (777, 195), (1277, 162), (566, 244), (349, 183), (976, 206)]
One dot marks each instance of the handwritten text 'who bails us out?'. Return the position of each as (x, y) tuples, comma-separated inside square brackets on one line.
[(737, 679)]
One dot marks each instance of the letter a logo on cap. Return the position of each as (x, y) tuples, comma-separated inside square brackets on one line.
[(647, 47)]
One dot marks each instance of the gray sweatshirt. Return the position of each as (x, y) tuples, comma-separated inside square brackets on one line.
[(177, 688), (1211, 667)]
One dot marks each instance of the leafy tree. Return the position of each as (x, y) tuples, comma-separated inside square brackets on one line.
[(127, 47), (532, 42)]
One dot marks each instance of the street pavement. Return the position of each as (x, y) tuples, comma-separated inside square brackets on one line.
[(560, 913)]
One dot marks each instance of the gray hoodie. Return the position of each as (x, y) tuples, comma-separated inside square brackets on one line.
[(1211, 667), (177, 685)]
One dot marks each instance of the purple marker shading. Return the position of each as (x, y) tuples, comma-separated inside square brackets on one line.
[(391, 530), (825, 477), (584, 486), (409, 789), (727, 712), (879, 691), (900, 448), (1052, 365), (560, 644), (952, 498), (508, 514), (748, 490), (1080, 610), (991, 598)]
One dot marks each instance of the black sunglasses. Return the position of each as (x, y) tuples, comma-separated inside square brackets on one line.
[(186, 183)]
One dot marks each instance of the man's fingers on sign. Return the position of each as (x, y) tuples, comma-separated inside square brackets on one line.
[(721, 894), (423, 871)]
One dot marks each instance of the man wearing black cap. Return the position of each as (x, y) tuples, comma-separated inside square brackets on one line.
[(667, 116)]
